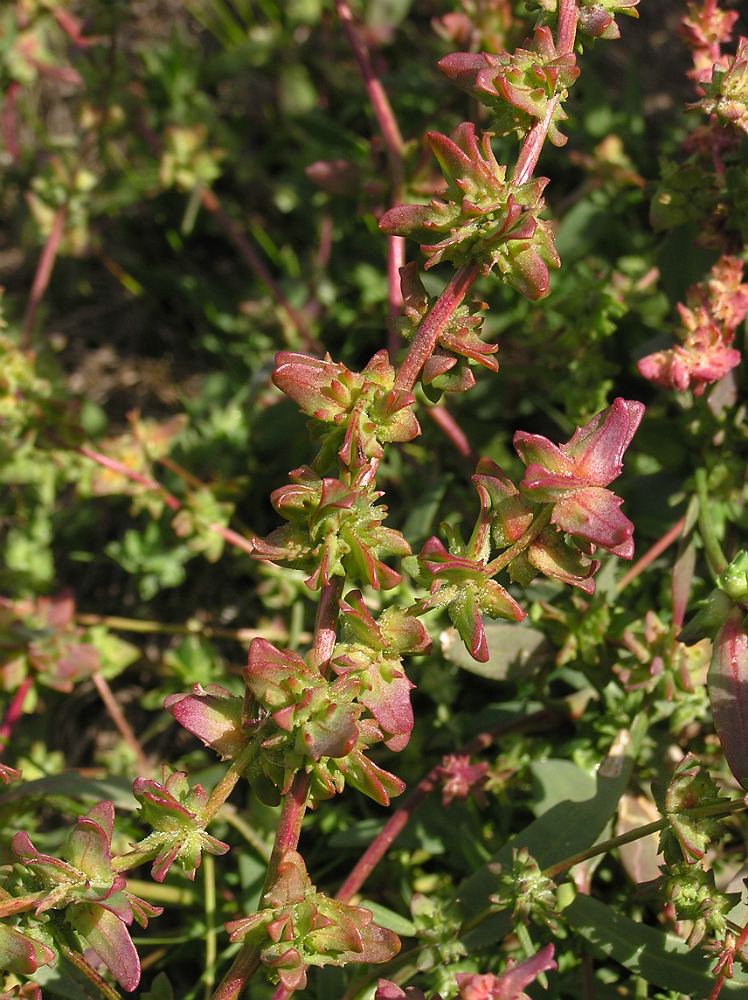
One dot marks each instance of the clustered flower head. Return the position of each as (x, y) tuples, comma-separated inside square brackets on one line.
[(509, 985), (517, 87), (705, 28), (459, 777), (484, 217), (572, 477), (562, 510), (709, 318), (296, 926)]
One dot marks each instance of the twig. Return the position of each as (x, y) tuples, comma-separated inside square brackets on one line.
[(123, 726), (169, 499), (447, 423), (670, 536), (193, 627), (15, 709), (395, 824), (42, 276), (434, 324), (287, 835), (381, 106)]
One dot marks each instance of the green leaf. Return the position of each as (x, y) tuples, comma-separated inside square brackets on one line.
[(514, 651), (385, 917), (662, 959), (565, 829)]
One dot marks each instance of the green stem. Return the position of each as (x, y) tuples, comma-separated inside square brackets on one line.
[(226, 785), (606, 845), (211, 950), (714, 554), (715, 809), (20, 904), (540, 521)]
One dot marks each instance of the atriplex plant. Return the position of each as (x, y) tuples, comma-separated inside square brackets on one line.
[(309, 720)]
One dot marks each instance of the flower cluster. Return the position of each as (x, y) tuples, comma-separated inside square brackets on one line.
[(83, 883), (296, 926), (365, 409), (726, 91), (293, 718), (552, 523), (705, 29), (709, 318), (174, 810), (517, 87), (485, 217), (459, 778), (572, 478), (335, 529), (509, 985)]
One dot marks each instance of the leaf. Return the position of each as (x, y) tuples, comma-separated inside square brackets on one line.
[(387, 918), (70, 785), (560, 781), (662, 959), (514, 651), (565, 829)]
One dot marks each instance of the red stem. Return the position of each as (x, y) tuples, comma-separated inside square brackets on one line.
[(434, 324), (568, 13), (15, 709), (120, 722), (651, 554), (393, 141), (232, 537), (447, 423), (42, 276), (381, 106), (247, 961), (135, 477), (395, 824)]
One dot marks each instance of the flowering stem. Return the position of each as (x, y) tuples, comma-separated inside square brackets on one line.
[(434, 324), (247, 961), (381, 106), (670, 536), (169, 499), (88, 971), (134, 477), (192, 627), (226, 785), (540, 521), (447, 423), (605, 846), (15, 709), (567, 26), (213, 205), (393, 141)]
